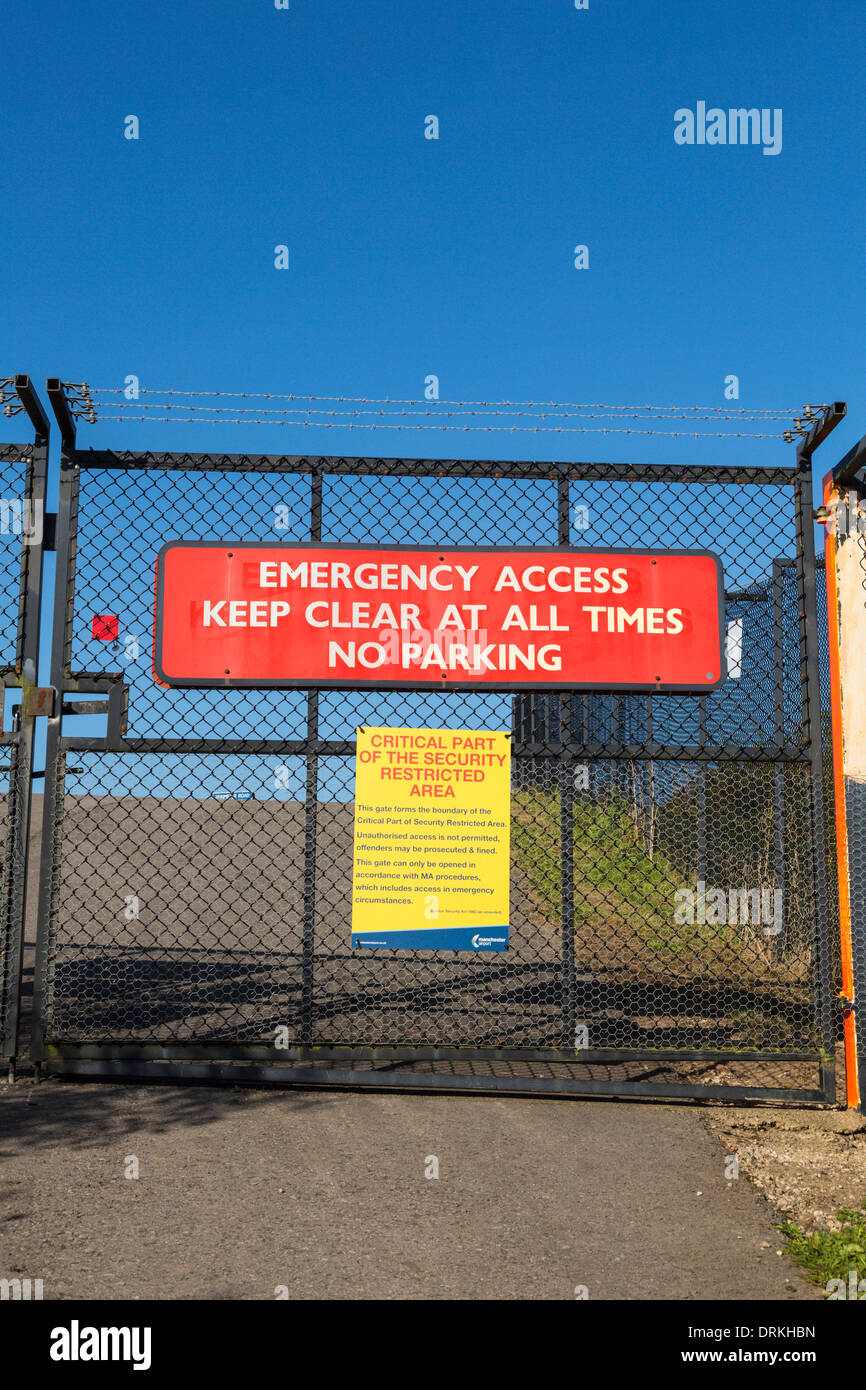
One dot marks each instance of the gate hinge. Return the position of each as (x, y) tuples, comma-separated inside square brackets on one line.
[(38, 701)]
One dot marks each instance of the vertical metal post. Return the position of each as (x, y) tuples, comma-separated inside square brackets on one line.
[(779, 828), (566, 811), (14, 888), (812, 691), (61, 649), (311, 805), (845, 550), (780, 884), (702, 793), (11, 902), (634, 736)]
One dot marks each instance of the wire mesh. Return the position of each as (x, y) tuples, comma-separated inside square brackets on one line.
[(667, 917)]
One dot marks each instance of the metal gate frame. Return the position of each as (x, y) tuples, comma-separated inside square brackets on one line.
[(22, 676), (377, 1067)]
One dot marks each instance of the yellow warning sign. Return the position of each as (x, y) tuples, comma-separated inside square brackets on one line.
[(432, 836)]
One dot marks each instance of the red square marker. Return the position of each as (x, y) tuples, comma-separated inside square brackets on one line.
[(105, 627)]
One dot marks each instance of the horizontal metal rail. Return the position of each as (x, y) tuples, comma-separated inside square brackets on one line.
[(433, 468), (345, 748), (66, 1063), (199, 1051)]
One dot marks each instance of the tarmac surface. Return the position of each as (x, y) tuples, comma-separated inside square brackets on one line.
[(252, 1193), (242, 1194)]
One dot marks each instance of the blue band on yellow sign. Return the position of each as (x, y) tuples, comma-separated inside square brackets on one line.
[(437, 939)]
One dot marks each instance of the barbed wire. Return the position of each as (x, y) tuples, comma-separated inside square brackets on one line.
[(443, 414), (82, 405), (750, 413), (9, 397), (487, 429)]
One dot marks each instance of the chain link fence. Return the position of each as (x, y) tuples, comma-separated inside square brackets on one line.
[(670, 928)]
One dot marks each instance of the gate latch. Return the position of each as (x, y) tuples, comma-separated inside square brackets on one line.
[(38, 701), (115, 707)]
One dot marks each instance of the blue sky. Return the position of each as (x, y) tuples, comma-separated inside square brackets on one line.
[(410, 256), (454, 257)]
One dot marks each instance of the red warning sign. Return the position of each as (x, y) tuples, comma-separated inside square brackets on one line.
[(247, 614)]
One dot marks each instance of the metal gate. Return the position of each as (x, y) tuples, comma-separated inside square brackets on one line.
[(195, 896), (23, 469)]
